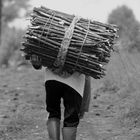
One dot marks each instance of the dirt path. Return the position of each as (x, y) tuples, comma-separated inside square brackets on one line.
[(23, 115)]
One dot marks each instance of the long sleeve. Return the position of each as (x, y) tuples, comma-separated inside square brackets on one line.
[(86, 96)]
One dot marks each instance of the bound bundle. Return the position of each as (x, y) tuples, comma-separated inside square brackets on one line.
[(69, 43)]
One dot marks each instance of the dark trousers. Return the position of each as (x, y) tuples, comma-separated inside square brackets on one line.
[(72, 102)]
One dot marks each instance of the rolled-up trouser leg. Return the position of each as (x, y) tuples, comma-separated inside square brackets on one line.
[(72, 104), (53, 126)]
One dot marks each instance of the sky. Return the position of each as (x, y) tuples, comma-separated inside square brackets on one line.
[(92, 9)]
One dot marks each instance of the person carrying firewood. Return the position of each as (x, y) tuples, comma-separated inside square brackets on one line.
[(74, 90)]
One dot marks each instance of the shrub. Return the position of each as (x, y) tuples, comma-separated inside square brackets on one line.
[(11, 42)]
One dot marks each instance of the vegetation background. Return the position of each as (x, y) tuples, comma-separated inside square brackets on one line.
[(115, 104)]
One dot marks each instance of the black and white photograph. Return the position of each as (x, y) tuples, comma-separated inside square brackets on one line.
[(69, 70)]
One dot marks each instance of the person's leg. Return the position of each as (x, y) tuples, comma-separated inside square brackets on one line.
[(53, 127), (72, 104), (53, 100)]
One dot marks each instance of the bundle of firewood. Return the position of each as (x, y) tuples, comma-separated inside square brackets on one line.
[(69, 43)]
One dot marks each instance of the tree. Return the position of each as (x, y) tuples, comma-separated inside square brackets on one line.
[(11, 38), (0, 18), (128, 27), (11, 9)]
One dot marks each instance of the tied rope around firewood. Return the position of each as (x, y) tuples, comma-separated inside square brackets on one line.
[(68, 43), (82, 45), (51, 17), (65, 44)]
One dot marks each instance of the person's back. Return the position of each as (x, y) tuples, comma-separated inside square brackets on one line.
[(71, 89)]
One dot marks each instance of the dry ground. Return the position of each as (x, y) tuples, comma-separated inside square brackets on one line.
[(114, 111)]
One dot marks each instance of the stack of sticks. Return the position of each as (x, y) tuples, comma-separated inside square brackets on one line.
[(87, 51)]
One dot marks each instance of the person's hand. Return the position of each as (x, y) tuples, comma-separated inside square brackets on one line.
[(36, 62)]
